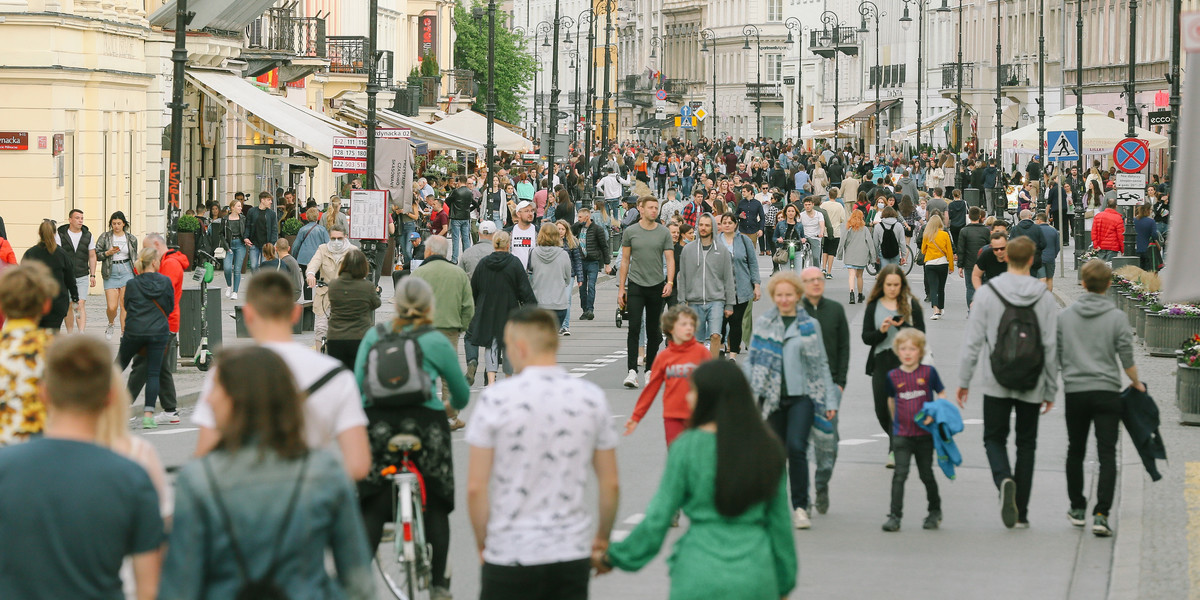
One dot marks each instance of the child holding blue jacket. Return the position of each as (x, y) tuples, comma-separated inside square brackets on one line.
[(910, 386)]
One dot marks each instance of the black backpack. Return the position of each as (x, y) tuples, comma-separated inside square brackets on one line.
[(889, 247), (394, 375), (1018, 357)]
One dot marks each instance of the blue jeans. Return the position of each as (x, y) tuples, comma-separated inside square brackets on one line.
[(587, 293), (792, 422), (407, 228), (686, 186), (611, 206), (711, 315), (233, 264), (883, 262), (460, 235), (255, 257), (155, 346), (970, 286)]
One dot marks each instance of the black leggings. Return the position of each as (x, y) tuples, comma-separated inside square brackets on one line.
[(935, 284), (732, 328), (378, 509), (884, 361), (343, 350), (649, 299)]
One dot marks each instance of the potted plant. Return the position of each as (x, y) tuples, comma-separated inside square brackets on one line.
[(1187, 381), (289, 228), (1168, 328), (187, 226)]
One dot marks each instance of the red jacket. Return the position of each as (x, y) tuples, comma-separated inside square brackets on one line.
[(674, 366), (6, 252), (1108, 231), (173, 265)]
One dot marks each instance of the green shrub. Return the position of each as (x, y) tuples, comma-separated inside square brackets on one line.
[(187, 224), (290, 227)]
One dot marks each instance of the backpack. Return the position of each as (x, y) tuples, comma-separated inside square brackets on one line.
[(1018, 357), (889, 247), (395, 376)]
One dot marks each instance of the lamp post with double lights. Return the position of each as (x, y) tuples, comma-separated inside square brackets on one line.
[(793, 24), (1041, 91), (590, 111), (867, 10), (999, 102), (573, 54), (560, 22), (608, 33), (830, 21), (906, 22), (490, 106), (747, 31), (958, 82), (708, 36), (1080, 193), (541, 30)]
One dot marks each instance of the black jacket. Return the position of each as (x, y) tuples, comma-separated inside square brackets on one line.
[(149, 298), (871, 335), (1030, 230), (597, 243), (79, 256), (461, 202), (61, 270), (262, 226), (971, 239), (498, 286), (957, 213), (1140, 415), (835, 332)]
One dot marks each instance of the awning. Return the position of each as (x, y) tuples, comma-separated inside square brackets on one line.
[(311, 129), (227, 15), (653, 123), (927, 125), (437, 139), (865, 110), (472, 125), (821, 129)]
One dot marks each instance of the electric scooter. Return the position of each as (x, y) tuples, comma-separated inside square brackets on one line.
[(204, 275)]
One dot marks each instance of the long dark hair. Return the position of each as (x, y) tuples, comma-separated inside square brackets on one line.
[(267, 407), (904, 300), (750, 458)]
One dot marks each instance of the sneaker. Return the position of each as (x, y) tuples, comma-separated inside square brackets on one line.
[(566, 332), (829, 276), (891, 462), (228, 292), (631, 380), (167, 418), (233, 296), (1100, 526), (1008, 502), (437, 592), (561, 330), (1077, 517), (472, 369), (108, 331), (148, 423), (851, 297), (1021, 524), (860, 297), (822, 502), (933, 520), (456, 424), (892, 524), (936, 316), (800, 519), (589, 315)]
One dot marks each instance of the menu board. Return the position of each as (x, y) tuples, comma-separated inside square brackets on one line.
[(368, 214)]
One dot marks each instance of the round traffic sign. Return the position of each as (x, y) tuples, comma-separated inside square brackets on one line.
[(1131, 155), (685, 111), (661, 94)]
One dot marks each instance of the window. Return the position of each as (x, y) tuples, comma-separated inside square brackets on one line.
[(774, 72), (774, 10)]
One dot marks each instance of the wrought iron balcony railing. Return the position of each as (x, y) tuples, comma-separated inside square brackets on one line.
[(347, 54), (279, 31), (951, 72), (1014, 74), (829, 38), (768, 92), (462, 82)]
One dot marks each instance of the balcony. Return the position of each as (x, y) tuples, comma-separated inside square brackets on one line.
[(952, 72), (347, 54), (430, 86), (294, 45), (462, 83), (1014, 74), (826, 42), (765, 92)]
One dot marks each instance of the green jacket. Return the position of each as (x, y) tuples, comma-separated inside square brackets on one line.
[(454, 306), (441, 362)]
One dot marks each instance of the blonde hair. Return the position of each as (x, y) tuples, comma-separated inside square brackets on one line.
[(414, 303), (501, 240), (113, 427), (932, 227), (788, 277), (909, 335), (548, 235), (145, 259), (572, 243)]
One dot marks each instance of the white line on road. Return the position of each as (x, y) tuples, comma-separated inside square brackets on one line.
[(578, 375), (856, 442), (584, 369), (172, 431), (618, 535), (634, 519), (879, 435), (972, 421)]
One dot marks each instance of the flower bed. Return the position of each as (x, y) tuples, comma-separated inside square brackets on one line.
[(1169, 328), (1187, 382)]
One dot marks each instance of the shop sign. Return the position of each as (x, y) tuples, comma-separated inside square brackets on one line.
[(14, 140), (427, 36)]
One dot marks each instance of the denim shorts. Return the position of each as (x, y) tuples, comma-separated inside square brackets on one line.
[(712, 314), (82, 284), (120, 275)]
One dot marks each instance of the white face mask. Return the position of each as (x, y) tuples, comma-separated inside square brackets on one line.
[(337, 245), (880, 206)]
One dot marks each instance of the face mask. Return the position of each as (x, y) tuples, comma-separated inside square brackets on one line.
[(337, 245), (880, 206)]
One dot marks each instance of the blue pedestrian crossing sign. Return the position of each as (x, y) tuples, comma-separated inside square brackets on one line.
[(1062, 145)]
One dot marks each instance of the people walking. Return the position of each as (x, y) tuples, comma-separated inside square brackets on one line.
[(595, 253), (890, 308), (498, 286), (1050, 252), (938, 250), (25, 293), (454, 303), (747, 288), (62, 268), (786, 364), (835, 334), (889, 237), (815, 228), (77, 241), (533, 438), (971, 239), (856, 251), (116, 249), (725, 473), (672, 371), (262, 228), (1013, 322), (835, 220), (461, 202), (172, 264), (149, 300), (1108, 231), (707, 283), (570, 245), (324, 267), (352, 303), (645, 280), (235, 233), (550, 274)]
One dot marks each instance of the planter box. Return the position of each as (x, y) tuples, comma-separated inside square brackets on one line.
[(1187, 394), (1165, 334), (1139, 321)]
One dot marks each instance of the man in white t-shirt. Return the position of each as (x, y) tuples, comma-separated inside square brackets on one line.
[(533, 438), (333, 412), (524, 234), (80, 245), (814, 229)]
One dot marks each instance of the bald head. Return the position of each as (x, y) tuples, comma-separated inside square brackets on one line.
[(1026, 214), (814, 284)]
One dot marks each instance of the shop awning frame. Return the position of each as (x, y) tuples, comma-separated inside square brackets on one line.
[(437, 139), (863, 111)]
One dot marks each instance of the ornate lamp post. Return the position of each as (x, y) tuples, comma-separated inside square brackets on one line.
[(830, 20), (906, 22), (747, 31), (490, 106), (560, 22), (541, 30), (867, 10), (793, 24), (708, 36)]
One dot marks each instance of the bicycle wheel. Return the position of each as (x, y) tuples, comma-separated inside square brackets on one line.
[(398, 560), (872, 268), (906, 261)]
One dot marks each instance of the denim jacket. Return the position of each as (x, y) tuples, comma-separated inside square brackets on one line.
[(255, 490)]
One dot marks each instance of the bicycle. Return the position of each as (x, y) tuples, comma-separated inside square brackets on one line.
[(405, 562), (906, 261)]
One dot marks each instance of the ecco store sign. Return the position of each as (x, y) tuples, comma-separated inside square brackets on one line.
[(14, 140)]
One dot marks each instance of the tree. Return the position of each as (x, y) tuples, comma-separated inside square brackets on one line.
[(514, 65)]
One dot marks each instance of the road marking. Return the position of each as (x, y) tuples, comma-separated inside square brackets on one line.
[(856, 442), (634, 519), (584, 369), (172, 431), (1191, 492), (972, 421), (879, 435), (605, 360), (618, 535), (578, 375)]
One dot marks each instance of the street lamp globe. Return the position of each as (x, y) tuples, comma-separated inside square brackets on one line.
[(906, 20)]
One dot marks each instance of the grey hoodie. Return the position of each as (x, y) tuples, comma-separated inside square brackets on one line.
[(550, 275), (706, 276), (980, 338), (1092, 334)]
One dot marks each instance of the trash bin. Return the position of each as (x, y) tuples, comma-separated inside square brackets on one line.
[(189, 321), (973, 197)]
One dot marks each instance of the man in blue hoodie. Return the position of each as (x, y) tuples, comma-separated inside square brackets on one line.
[(1013, 291), (1093, 335)]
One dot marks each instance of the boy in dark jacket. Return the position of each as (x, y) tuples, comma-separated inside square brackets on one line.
[(970, 240)]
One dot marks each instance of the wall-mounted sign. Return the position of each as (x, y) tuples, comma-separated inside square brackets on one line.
[(57, 144), (427, 36), (43, 141), (14, 140)]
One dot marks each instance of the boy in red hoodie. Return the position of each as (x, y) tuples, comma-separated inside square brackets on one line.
[(672, 367)]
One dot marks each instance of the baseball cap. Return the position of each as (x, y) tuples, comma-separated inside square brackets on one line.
[(487, 227), (522, 204), (414, 236)]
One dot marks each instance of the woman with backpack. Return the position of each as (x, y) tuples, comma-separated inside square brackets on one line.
[(889, 237), (890, 308), (149, 298), (255, 518), (384, 356)]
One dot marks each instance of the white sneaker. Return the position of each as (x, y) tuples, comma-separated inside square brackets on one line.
[(631, 380), (228, 291), (800, 519), (936, 316), (233, 296), (108, 331), (167, 418), (646, 378)]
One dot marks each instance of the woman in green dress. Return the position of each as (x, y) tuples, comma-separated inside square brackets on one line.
[(726, 472)]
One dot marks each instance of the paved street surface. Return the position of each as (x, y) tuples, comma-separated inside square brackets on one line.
[(1155, 554)]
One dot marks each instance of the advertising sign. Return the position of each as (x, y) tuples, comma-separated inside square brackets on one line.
[(427, 36), (368, 214), (14, 140)]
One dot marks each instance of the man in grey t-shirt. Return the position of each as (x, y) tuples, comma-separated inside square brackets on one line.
[(646, 277)]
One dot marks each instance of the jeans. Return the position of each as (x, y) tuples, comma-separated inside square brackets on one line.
[(1083, 409), (967, 269), (686, 186), (587, 293), (256, 257), (234, 259), (825, 447), (648, 299), (995, 203), (711, 314), (460, 236), (996, 412), (611, 205), (883, 262), (166, 379), (155, 347), (792, 422), (814, 252), (766, 242), (553, 581), (920, 448), (661, 185), (561, 315), (407, 228), (732, 329), (1106, 255), (935, 278)]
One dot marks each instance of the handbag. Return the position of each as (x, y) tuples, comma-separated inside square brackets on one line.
[(781, 256)]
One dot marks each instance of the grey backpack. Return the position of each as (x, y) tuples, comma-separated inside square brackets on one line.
[(395, 376)]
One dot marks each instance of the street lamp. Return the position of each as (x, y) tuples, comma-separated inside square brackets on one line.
[(573, 54), (541, 30), (655, 42), (747, 31), (906, 22), (830, 20), (793, 24), (608, 32), (1041, 91), (866, 10), (490, 106), (590, 16), (560, 22), (958, 81), (707, 36)]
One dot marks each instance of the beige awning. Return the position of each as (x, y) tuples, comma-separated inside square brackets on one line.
[(436, 138)]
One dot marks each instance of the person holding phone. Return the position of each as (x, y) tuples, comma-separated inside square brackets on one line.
[(890, 308)]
